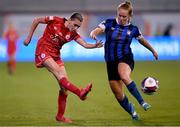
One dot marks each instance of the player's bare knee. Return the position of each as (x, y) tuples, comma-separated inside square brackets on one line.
[(58, 74), (125, 79), (52, 70), (119, 96), (63, 91), (112, 82)]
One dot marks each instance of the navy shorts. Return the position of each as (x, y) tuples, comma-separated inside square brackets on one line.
[(112, 66)]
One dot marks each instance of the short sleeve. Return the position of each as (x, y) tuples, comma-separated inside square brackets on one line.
[(138, 34), (102, 25), (51, 19), (76, 36)]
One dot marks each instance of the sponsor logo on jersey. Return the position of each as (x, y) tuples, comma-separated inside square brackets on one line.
[(54, 37), (55, 28), (60, 34)]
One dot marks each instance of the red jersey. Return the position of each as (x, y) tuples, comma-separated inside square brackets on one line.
[(12, 38), (55, 36)]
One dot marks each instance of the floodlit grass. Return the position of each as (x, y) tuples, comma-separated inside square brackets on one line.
[(29, 98)]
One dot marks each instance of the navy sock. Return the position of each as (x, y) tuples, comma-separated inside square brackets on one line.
[(134, 91), (125, 104)]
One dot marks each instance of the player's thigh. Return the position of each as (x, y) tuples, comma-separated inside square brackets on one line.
[(63, 70), (124, 71), (53, 67), (117, 88), (50, 64)]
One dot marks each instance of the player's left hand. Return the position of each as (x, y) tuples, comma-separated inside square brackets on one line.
[(99, 44), (155, 55)]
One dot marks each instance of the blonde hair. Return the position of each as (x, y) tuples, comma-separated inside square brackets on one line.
[(127, 6)]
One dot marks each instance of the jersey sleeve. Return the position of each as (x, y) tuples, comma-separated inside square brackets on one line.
[(102, 25), (138, 34), (76, 36), (51, 19)]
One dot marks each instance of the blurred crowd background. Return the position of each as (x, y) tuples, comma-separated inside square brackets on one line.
[(153, 17)]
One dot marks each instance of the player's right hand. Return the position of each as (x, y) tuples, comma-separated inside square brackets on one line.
[(26, 42), (93, 36)]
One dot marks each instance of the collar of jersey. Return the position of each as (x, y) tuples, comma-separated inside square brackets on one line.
[(122, 25)]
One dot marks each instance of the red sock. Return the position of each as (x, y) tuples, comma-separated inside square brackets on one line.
[(69, 86), (61, 104), (13, 64)]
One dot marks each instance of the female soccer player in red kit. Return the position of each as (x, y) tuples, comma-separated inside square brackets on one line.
[(58, 32), (12, 36)]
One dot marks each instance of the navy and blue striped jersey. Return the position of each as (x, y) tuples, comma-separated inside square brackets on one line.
[(118, 39)]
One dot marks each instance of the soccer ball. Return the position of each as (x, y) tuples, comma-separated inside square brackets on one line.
[(149, 85)]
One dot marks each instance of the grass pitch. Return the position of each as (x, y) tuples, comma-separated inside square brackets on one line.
[(29, 98)]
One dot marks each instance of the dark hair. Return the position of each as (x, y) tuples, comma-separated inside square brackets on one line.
[(126, 5), (76, 15)]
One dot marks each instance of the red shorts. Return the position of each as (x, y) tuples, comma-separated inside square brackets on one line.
[(43, 52), (11, 50), (39, 59)]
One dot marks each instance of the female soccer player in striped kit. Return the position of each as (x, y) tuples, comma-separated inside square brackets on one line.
[(58, 32), (119, 57)]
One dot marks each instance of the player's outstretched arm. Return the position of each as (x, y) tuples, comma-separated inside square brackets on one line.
[(148, 46), (83, 43), (32, 29), (94, 33)]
